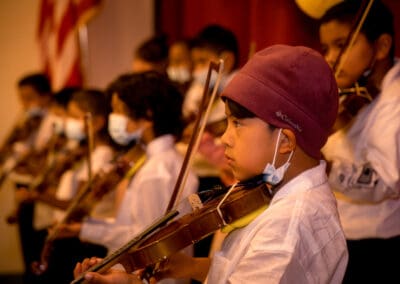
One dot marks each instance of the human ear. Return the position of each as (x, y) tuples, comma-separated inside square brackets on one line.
[(383, 45), (229, 61), (288, 141)]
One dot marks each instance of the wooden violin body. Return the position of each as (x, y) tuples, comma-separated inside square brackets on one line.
[(21, 132), (37, 160), (195, 226), (186, 230), (89, 195)]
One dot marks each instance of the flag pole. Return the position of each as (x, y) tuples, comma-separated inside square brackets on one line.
[(83, 41)]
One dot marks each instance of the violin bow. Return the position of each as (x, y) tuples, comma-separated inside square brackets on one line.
[(360, 19), (41, 267), (90, 144), (200, 124)]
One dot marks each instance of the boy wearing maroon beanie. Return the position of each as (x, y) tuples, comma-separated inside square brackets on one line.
[(280, 109)]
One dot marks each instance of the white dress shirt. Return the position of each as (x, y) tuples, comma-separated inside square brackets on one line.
[(366, 161), (297, 239), (45, 215)]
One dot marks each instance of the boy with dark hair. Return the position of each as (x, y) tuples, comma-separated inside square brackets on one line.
[(35, 95), (365, 154), (151, 55), (180, 67), (212, 43)]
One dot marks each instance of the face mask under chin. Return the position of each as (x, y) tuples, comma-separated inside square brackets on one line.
[(273, 176)]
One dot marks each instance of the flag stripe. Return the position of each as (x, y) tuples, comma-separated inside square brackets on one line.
[(58, 39), (67, 25)]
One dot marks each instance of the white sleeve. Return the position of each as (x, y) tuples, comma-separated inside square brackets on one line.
[(359, 182), (142, 205)]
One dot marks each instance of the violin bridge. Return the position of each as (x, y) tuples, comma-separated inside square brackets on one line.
[(195, 201)]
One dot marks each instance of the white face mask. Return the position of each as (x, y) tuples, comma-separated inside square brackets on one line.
[(117, 124), (34, 111), (179, 74), (200, 76), (274, 176), (75, 129)]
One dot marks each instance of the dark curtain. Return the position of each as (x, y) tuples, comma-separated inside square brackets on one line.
[(260, 22)]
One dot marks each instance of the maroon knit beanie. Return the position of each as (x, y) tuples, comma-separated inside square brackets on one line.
[(289, 87)]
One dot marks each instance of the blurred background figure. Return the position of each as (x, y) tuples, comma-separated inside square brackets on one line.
[(151, 55), (180, 64)]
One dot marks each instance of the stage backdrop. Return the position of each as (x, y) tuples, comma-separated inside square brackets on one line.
[(264, 22)]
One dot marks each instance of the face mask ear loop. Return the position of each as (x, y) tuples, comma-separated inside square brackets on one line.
[(290, 157), (276, 150), (276, 146)]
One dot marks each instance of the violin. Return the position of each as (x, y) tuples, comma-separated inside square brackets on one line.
[(147, 252), (37, 162), (35, 169), (64, 159), (89, 195), (124, 166), (23, 132)]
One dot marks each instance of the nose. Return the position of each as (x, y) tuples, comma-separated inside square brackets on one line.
[(225, 140), (331, 57)]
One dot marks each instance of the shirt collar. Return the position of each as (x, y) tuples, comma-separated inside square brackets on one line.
[(160, 144), (308, 179)]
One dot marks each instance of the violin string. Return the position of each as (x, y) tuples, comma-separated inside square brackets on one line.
[(222, 201)]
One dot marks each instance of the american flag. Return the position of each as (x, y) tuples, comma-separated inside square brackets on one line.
[(59, 23)]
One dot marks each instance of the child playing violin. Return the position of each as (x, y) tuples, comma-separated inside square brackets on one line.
[(147, 110), (53, 201), (365, 155), (280, 108)]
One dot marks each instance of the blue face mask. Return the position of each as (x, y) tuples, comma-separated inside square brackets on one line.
[(272, 175), (117, 124)]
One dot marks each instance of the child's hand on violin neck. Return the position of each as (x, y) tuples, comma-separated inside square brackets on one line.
[(112, 275)]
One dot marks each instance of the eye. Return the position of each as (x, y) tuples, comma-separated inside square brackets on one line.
[(236, 122), (340, 45)]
